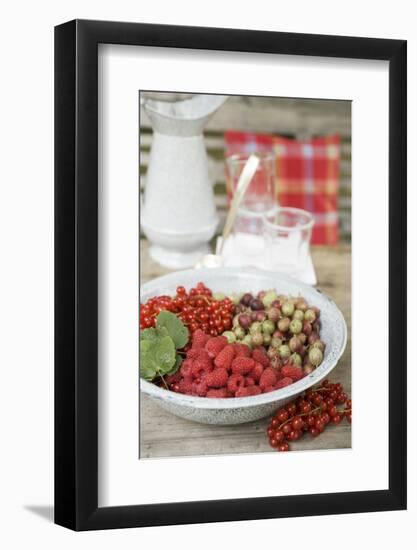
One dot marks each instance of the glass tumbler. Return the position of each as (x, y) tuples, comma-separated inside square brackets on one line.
[(260, 197), (287, 235)]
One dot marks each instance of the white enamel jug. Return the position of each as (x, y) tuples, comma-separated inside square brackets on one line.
[(178, 214)]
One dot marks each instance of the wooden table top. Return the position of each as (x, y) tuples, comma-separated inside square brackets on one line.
[(165, 435)]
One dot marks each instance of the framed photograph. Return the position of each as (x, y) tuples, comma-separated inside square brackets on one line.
[(230, 255)]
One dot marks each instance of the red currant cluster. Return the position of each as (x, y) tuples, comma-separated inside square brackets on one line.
[(197, 309), (311, 412)]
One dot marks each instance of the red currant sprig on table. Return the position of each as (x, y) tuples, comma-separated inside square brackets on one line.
[(197, 309), (310, 412)]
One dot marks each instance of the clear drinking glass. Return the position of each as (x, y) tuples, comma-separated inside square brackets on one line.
[(287, 235), (260, 197)]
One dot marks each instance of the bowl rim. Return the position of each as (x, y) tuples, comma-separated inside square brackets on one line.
[(265, 398)]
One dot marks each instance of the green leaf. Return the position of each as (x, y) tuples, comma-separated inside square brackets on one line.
[(176, 329), (157, 348), (177, 364), (147, 366), (153, 334), (164, 354), (148, 334), (145, 346), (162, 331)]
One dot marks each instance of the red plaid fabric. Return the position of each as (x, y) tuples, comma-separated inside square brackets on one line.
[(307, 175)]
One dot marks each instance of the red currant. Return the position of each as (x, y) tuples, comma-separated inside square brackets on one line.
[(332, 411), (314, 432), (282, 415), (297, 423), (325, 418), (311, 421), (291, 409), (336, 419), (279, 436)]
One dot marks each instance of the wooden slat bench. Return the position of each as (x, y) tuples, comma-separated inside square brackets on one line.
[(298, 118)]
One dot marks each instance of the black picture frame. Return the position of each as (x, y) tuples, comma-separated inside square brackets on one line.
[(76, 272)]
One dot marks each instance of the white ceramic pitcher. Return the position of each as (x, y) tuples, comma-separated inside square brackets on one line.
[(178, 214)]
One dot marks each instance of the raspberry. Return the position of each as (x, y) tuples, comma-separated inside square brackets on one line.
[(193, 353), (259, 354), (186, 385), (235, 382), (204, 357), (198, 353), (200, 339), (283, 382), (225, 357), (222, 392), (173, 378), (200, 389), (242, 365), (241, 350), (242, 392), (256, 372), (248, 392), (201, 367), (215, 345), (249, 381), (269, 388), (217, 378), (296, 373), (186, 367), (268, 378), (278, 374)]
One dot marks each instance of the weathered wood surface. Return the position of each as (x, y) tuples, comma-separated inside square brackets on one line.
[(165, 435), (294, 116)]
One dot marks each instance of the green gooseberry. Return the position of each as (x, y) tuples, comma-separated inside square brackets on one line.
[(231, 336), (318, 344), (296, 360), (310, 316), (276, 342), (298, 314), (301, 304), (269, 297), (284, 324), (302, 337), (296, 326), (273, 314), (315, 356), (247, 340), (295, 343), (268, 326), (284, 351), (257, 339), (255, 327), (239, 333), (267, 339), (235, 298), (287, 308)]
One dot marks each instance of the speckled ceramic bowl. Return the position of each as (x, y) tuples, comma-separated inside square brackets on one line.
[(247, 409)]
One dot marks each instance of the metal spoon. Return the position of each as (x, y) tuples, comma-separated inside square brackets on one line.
[(215, 260)]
